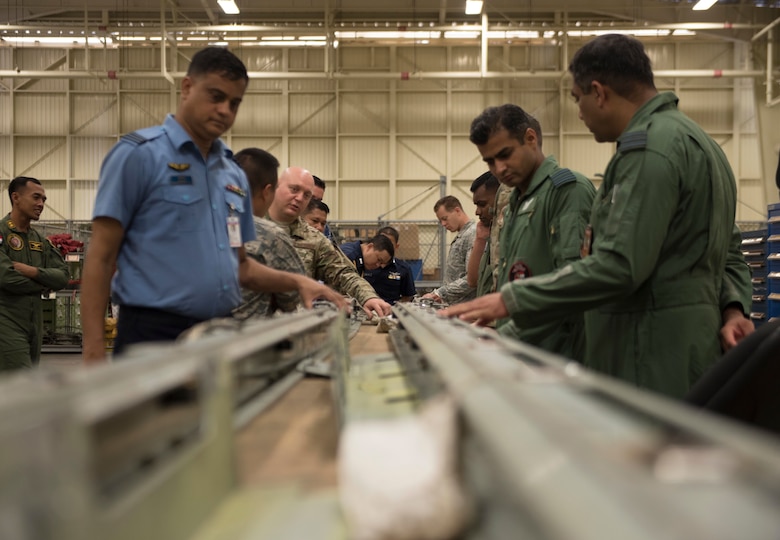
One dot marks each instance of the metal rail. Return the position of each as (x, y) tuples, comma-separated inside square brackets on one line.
[(560, 453)]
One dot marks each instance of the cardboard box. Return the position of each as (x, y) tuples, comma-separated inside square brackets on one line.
[(408, 241)]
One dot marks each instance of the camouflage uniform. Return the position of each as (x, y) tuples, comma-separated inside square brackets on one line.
[(21, 317), (455, 288), (275, 249), (488, 265), (325, 262)]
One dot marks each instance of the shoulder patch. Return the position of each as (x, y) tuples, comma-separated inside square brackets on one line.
[(562, 177), (632, 141), (142, 135)]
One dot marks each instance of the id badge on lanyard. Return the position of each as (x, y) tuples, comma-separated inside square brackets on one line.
[(234, 228)]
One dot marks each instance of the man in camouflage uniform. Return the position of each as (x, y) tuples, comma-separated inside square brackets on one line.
[(481, 266), (29, 265), (321, 259), (273, 246), (455, 287)]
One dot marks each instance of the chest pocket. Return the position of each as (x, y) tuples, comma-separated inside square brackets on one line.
[(187, 209)]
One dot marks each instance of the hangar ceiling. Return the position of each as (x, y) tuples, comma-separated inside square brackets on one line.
[(730, 19)]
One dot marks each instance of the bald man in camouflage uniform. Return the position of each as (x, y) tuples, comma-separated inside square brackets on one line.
[(322, 260), (29, 266)]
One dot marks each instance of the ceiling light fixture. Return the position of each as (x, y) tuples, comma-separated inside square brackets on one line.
[(229, 7), (703, 5), (473, 7)]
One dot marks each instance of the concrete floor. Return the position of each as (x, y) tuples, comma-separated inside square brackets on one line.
[(61, 360)]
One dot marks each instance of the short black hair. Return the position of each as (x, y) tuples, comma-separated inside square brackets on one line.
[(486, 179), (18, 183), (261, 168), (316, 204), (318, 182), (614, 60), (449, 202), (217, 60), (383, 243), (389, 231), (509, 117)]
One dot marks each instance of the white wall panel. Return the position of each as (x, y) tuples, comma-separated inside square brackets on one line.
[(91, 151), (466, 160), (362, 200), (364, 58), (83, 198), (39, 60), (57, 199), (307, 59), (262, 59), (421, 157), (540, 103), (316, 155), (749, 157), (94, 114), (269, 144), (40, 157), (468, 58), (41, 114), (364, 113), (467, 106), (750, 197), (416, 199), (422, 113), (522, 57), (6, 113), (311, 85), (363, 158), (708, 108), (587, 156), (146, 85), (6, 169), (260, 114), (143, 109), (312, 114)]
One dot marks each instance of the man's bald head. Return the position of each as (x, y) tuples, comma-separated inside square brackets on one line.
[(293, 194)]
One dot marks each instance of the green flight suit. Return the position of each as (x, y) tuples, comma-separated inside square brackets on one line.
[(325, 262), (543, 231), (21, 317), (665, 257)]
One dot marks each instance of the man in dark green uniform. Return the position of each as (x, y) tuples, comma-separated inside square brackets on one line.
[(664, 272), (29, 265), (544, 223)]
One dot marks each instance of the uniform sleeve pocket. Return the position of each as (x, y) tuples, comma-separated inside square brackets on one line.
[(571, 228)]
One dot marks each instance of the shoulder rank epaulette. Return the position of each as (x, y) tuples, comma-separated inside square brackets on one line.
[(562, 177), (135, 138), (143, 135), (632, 141)]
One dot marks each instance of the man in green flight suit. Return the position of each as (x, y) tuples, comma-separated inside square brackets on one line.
[(664, 271), (544, 223), (29, 265)]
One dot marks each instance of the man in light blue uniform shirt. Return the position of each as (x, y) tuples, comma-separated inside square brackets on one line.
[(172, 213)]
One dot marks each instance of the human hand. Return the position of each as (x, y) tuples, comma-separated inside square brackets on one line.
[(311, 290), (433, 296), (483, 231), (735, 328), (481, 310), (380, 306)]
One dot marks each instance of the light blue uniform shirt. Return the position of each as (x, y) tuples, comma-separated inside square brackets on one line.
[(173, 206)]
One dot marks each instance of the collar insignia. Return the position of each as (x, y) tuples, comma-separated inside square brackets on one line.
[(179, 166), (235, 189), (10, 224)]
